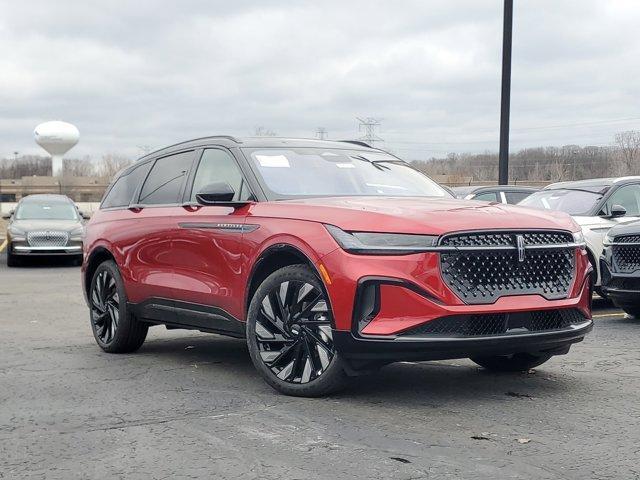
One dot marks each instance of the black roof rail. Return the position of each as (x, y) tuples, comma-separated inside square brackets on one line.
[(357, 142), (228, 137)]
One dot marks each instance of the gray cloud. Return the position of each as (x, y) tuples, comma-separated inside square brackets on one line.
[(151, 73)]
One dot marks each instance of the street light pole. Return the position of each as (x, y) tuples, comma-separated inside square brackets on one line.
[(503, 164)]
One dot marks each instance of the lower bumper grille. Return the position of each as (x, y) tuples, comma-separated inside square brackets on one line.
[(47, 239), (498, 323)]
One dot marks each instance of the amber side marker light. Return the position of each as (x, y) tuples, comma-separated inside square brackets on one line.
[(324, 274)]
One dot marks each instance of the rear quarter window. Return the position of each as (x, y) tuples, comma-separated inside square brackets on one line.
[(121, 194)]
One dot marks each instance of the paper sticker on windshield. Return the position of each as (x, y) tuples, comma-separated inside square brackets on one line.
[(273, 161), (345, 165)]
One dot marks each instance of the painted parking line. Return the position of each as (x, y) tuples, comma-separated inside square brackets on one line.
[(3, 245), (602, 315)]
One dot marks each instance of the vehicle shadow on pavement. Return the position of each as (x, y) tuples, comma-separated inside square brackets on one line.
[(453, 381), (46, 262)]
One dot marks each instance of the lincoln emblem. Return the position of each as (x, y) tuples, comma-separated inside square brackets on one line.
[(520, 245)]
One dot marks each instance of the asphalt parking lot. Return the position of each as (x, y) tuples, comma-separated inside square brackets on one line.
[(189, 405)]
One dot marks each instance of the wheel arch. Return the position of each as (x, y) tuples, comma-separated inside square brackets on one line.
[(594, 263), (274, 258), (96, 257)]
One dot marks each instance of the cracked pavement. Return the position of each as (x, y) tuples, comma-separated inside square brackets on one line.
[(190, 405)]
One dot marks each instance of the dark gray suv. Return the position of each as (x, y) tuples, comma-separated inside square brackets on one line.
[(44, 225)]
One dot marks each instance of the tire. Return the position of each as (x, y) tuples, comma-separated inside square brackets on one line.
[(289, 334), (115, 329), (631, 310), (518, 362), (12, 260)]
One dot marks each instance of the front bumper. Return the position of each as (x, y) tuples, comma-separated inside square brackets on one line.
[(382, 327), (24, 249), (622, 288), (352, 347)]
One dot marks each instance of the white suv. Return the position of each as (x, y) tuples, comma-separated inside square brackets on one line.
[(596, 205)]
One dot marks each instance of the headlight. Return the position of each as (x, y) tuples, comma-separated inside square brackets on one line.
[(17, 233), (608, 240), (578, 237), (77, 233), (366, 243)]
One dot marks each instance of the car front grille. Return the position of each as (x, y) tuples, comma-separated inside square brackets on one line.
[(626, 257), (47, 239), (481, 267), (499, 323)]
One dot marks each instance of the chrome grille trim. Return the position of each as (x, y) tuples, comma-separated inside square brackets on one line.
[(47, 238)]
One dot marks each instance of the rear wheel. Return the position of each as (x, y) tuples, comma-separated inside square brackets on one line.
[(289, 334), (517, 362), (115, 329)]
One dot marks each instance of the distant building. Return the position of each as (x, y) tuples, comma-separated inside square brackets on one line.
[(79, 189)]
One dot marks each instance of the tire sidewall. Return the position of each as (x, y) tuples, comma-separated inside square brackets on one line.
[(332, 378), (123, 320)]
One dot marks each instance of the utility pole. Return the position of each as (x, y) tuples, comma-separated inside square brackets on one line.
[(503, 164), (368, 125), (321, 133)]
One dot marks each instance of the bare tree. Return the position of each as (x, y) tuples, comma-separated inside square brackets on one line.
[(25, 166), (111, 163), (628, 144), (79, 167)]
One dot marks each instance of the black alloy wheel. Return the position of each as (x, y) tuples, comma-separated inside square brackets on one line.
[(105, 306), (115, 329), (289, 334)]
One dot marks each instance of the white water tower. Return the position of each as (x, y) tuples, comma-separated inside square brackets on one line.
[(57, 138)]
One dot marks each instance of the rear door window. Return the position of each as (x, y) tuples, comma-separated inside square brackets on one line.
[(166, 180), (121, 194)]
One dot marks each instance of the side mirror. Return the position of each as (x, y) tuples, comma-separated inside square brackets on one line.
[(7, 216), (220, 194), (617, 211), (84, 215)]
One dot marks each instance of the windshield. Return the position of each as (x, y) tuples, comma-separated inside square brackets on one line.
[(46, 211), (573, 202), (329, 172)]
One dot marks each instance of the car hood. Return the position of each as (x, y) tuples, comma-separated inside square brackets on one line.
[(60, 225), (632, 228), (413, 215)]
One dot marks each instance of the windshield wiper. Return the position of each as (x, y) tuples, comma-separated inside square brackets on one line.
[(375, 163)]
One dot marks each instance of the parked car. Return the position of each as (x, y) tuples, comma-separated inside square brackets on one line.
[(331, 259), (510, 194), (596, 205), (620, 267), (44, 225)]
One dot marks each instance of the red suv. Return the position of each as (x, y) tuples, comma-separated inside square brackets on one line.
[(331, 259)]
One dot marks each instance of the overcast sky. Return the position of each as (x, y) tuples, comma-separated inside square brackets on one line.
[(151, 73)]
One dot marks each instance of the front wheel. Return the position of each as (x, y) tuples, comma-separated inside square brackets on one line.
[(115, 329), (289, 334), (518, 362), (12, 260), (634, 311)]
